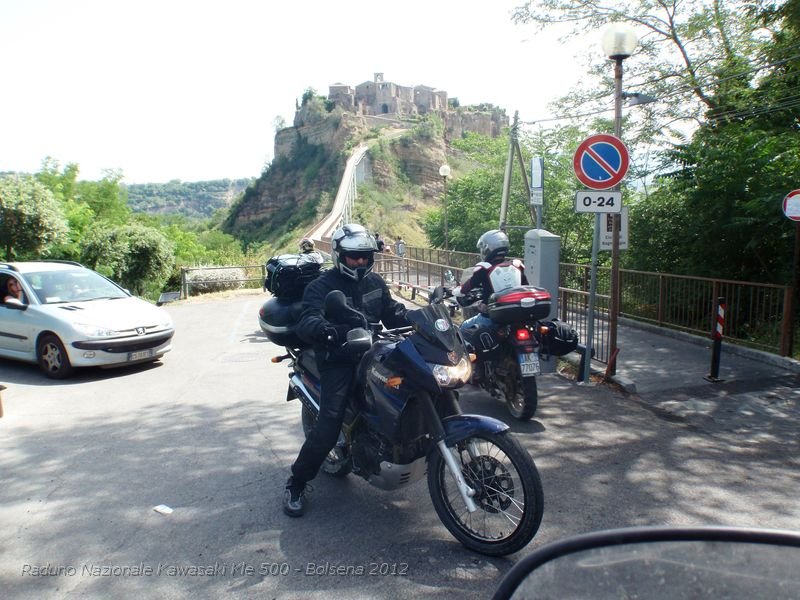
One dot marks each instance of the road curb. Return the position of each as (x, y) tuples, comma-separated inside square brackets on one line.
[(783, 362)]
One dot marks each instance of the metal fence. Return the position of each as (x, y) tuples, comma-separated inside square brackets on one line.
[(756, 313), (755, 316)]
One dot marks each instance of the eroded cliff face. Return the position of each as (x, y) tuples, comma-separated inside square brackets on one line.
[(308, 165), (419, 162), (299, 186)]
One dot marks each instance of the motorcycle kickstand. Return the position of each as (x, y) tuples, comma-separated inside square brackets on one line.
[(466, 492)]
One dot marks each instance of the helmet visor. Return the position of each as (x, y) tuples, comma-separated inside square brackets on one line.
[(356, 255)]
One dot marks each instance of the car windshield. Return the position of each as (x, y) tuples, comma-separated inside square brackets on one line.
[(73, 285)]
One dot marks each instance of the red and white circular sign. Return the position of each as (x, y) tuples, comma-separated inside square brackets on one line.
[(791, 205), (601, 161)]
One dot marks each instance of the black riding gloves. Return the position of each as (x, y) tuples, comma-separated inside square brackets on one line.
[(335, 335)]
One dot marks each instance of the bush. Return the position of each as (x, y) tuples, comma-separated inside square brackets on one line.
[(215, 279)]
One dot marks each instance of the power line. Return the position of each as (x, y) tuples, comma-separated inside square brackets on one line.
[(686, 89), (710, 78)]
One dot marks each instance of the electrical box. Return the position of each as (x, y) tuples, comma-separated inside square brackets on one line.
[(542, 258)]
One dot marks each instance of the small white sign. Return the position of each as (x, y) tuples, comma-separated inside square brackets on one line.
[(598, 201), (607, 231), (537, 197), (537, 172)]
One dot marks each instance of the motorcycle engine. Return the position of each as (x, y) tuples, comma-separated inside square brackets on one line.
[(367, 450)]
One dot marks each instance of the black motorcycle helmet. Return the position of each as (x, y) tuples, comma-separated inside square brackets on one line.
[(353, 239)]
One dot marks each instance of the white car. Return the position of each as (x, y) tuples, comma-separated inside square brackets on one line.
[(70, 316)]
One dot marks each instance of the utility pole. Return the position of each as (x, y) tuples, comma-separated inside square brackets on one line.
[(513, 149)]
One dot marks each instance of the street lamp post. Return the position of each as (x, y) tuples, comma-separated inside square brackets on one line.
[(619, 42), (444, 171)]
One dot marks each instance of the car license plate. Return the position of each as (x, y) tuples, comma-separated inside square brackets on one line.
[(140, 355), (529, 364)]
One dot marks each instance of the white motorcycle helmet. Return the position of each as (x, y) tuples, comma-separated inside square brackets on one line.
[(493, 244), (354, 240)]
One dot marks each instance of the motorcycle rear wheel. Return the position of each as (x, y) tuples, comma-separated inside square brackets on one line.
[(508, 494), (338, 463), (521, 393)]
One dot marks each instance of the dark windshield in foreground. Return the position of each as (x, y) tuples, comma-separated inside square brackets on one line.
[(74, 285), (668, 571)]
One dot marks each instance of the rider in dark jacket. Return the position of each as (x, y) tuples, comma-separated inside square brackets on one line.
[(353, 253)]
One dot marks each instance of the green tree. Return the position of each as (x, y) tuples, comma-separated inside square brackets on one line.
[(62, 183), (685, 48), (31, 220), (137, 257), (723, 195), (107, 198)]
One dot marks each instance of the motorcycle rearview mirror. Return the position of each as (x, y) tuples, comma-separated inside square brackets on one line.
[(660, 562), (436, 295), (335, 302), (337, 311), (359, 340)]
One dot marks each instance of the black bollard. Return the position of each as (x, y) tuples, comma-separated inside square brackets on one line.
[(716, 335), (581, 349)]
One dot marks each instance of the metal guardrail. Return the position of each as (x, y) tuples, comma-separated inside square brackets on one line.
[(756, 315), (756, 312)]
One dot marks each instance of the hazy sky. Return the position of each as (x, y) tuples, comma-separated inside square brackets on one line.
[(174, 89)]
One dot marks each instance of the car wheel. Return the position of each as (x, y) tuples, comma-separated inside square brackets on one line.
[(52, 357)]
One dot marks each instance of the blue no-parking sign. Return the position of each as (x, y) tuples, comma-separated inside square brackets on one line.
[(601, 161)]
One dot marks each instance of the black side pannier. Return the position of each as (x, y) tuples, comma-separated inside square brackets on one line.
[(278, 318), (289, 274), (561, 338)]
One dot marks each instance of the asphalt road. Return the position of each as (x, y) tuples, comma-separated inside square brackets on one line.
[(208, 433)]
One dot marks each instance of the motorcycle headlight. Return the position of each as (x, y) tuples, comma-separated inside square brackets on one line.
[(453, 376)]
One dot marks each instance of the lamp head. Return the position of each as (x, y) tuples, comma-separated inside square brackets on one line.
[(619, 41), (637, 98), (444, 170)]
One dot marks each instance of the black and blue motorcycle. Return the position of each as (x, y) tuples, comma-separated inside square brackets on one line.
[(404, 422)]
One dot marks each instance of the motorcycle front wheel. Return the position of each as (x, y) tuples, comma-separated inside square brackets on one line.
[(508, 493), (521, 393), (338, 462)]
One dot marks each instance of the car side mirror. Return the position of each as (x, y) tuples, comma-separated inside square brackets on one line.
[(16, 304)]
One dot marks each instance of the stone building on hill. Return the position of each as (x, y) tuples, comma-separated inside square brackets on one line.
[(379, 97)]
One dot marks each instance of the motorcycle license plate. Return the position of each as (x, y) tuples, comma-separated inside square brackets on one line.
[(529, 364)]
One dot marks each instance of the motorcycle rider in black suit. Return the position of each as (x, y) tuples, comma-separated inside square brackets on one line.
[(353, 253)]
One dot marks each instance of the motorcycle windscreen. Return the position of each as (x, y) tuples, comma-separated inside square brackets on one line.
[(433, 323)]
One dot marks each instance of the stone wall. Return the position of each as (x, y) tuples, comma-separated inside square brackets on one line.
[(458, 122)]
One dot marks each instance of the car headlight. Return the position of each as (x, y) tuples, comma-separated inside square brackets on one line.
[(452, 376), (94, 331)]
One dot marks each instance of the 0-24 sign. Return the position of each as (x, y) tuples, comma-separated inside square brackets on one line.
[(598, 201)]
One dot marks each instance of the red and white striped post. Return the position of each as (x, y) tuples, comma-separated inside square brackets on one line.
[(716, 335)]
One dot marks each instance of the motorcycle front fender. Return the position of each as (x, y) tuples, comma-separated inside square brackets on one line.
[(460, 427)]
